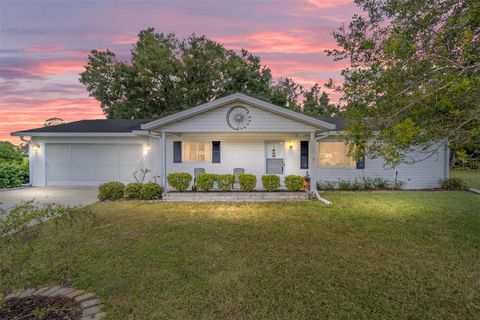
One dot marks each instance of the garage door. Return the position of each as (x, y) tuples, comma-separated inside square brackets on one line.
[(88, 164)]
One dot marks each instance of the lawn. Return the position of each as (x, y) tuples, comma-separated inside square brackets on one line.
[(388, 255), (471, 177)]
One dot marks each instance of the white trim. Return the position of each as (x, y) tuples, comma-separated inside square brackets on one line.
[(74, 134), (238, 97)]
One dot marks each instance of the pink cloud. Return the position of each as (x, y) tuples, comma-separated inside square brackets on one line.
[(34, 113), (324, 4)]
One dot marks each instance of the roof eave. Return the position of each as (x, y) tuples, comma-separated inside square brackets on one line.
[(72, 134)]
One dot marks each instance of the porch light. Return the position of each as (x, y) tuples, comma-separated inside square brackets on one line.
[(290, 145), (36, 147), (146, 149)]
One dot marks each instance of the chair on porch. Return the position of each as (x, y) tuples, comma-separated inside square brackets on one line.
[(237, 172), (196, 172)]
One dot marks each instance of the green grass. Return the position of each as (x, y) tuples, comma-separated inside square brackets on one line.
[(471, 177), (379, 255)]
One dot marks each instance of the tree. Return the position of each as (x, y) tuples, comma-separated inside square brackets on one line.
[(316, 104), (414, 78), (166, 75), (10, 153), (53, 122)]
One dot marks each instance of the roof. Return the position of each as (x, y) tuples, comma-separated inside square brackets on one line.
[(128, 126), (239, 97), (90, 126)]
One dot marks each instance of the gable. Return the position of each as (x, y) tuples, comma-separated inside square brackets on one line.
[(216, 121), (212, 117)]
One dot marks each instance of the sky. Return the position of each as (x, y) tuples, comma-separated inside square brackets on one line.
[(45, 44)]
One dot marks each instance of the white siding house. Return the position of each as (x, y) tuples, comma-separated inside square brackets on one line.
[(237, 131)]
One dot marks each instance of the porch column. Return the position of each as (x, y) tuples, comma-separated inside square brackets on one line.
[(313, 162), (163, 170)]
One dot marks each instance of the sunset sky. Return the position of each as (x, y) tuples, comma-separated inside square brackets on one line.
[(44, 45)]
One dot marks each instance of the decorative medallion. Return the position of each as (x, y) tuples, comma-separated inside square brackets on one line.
[(238, 118)]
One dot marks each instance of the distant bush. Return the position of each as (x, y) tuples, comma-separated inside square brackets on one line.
[(151, 191), (247, 181), (180, 180), (270, 182), (205, 181), (13, 175), (381, 184), (294, 183), (132, 191), (111, 191), (225, 181), (453, 183), (326, 185), (344, 185)]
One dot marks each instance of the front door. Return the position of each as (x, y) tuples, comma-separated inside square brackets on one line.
[(275, 151)]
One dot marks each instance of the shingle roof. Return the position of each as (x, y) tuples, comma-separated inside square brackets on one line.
[(337, 121), (99, 125)]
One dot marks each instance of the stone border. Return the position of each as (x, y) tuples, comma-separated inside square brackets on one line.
[(236, 196), (90, 306)]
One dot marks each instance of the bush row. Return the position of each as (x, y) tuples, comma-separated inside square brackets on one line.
[(360, 185), (206, 181), (133, 191)]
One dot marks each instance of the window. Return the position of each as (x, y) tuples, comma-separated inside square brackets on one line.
[(196, 152), (334, 155)]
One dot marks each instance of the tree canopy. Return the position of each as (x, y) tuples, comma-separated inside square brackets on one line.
[(166, 75), (414, 77), (10, 153)]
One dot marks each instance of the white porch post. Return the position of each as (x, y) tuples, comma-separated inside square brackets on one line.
[(313, 162), (163, 156)]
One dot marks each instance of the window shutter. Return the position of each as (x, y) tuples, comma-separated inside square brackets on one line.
[(304, 154), (361, 164), (215, 151), (177, 151)]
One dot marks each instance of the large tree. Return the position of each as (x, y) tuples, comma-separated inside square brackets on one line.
[(414, 77), (166, 75)]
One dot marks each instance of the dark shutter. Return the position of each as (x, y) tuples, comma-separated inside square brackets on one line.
[(216, 151), (177, 151), (304, 154), (361, 164)]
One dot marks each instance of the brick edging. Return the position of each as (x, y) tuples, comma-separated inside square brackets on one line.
[(90, 306)]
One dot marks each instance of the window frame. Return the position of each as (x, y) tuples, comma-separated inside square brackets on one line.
[(207, 152), (346, 157)]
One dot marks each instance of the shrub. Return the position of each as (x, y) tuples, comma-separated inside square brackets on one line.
[(398, 185), (357, 186), (381, 184), (179, 181), (205, 181), (132, 191), (151, 191), (368, 184), (111, 191), (326, 185), (270, 182), (294, 183), (248, 182), (453, 184), (13, 175), (344, 185), (225, 181)]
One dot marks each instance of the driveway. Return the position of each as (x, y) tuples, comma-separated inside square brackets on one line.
[(69, 196)]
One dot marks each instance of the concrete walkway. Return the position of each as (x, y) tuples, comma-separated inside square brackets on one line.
[(69, 196)]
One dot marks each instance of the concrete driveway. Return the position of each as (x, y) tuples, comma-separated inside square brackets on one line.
[(69, 196)]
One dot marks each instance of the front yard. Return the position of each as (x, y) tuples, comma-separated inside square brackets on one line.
[(389, 255)]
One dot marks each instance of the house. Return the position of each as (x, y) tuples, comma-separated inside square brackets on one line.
[(236, 131)]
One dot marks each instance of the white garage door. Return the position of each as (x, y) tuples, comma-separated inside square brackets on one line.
[(88, 164)]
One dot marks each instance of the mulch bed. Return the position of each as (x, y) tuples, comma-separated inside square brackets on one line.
[(40, 308)]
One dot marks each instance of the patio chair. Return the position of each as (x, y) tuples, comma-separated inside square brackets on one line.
[(196, 172), (237, 172)]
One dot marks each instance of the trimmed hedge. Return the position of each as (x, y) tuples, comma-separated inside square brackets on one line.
[(205, 181), (453, 183), (225, 181), (364, 184), (247, 181), (294, 183), (151, 191), (270, 182), (132, 191), (180, 180), (111, 191)]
